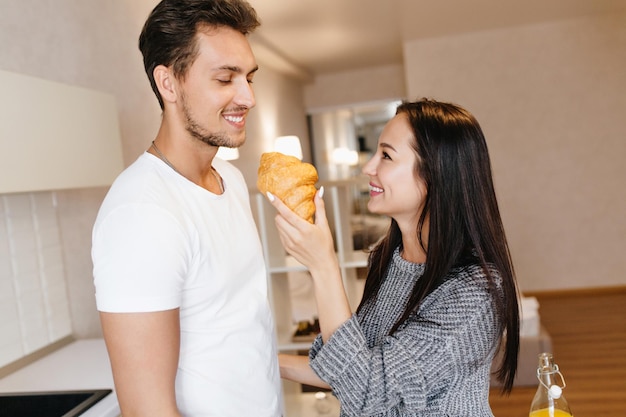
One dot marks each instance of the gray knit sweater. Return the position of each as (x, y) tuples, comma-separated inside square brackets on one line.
[(436, 364)]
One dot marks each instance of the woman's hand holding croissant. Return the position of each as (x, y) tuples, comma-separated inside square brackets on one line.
[(312, 245)]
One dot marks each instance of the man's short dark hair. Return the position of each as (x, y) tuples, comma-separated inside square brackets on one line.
[(169, 34)]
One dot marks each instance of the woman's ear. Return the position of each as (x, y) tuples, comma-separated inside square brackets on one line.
[(165, 82)]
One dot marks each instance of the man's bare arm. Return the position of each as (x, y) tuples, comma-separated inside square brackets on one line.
[(144, 350)]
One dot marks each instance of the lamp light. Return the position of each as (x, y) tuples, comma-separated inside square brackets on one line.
[(288, 145), (345, 156), (227, 154)]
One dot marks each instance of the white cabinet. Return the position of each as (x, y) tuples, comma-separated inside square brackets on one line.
[(354, 229), (55, 136)]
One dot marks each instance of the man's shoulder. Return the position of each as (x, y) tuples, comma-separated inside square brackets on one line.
[(139, 184)]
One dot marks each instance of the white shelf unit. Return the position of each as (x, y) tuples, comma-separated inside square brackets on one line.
[(344, 201), (339, 198)]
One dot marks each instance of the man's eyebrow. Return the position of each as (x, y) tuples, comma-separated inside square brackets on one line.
[(236, 69)]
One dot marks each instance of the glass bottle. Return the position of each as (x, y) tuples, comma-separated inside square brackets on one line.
[(549, 400)]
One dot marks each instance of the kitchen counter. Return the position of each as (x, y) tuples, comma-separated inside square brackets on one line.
[(81, 365)]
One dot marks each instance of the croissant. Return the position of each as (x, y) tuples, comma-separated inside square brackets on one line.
[(289, 179)]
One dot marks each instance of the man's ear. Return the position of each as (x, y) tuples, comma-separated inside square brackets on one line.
[(165, 82)]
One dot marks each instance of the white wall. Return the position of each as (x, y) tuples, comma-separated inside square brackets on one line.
[(93, 43), (34, 310), (359, 86), (551, 99)]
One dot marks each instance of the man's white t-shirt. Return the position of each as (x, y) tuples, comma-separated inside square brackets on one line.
[(161, 242)]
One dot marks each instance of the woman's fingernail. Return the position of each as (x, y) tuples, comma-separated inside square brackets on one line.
[(270, 196), (321, 192)]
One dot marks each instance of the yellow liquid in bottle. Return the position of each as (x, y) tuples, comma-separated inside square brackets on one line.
[(544, 412)]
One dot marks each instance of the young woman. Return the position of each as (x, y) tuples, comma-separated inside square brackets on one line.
[(440, 297)]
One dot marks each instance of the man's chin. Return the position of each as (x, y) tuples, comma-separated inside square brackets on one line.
[(225, 141)]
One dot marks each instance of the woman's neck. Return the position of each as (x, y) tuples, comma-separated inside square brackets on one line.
[(412, 251)]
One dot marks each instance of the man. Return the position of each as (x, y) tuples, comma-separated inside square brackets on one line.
[(178, 266)]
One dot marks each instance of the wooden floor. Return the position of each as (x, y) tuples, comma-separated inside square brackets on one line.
[(588, 330)]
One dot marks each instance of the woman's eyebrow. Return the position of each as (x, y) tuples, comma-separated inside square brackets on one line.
[(385, 145)]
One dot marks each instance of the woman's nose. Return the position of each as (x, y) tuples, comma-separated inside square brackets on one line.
[(369, 167)]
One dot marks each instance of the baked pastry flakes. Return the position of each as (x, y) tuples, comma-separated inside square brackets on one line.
[(289, 179)]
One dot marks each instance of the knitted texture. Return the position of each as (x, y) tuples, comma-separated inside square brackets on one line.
[(436, 364)]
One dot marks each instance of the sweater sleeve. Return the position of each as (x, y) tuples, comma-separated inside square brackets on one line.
[(450, 338)]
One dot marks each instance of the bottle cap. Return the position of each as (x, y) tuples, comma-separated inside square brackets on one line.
[(555, 392)]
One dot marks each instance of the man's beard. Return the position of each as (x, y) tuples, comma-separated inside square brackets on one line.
[(210, 138)]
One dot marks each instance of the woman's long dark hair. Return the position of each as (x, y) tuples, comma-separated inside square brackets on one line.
[(464, 219)]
